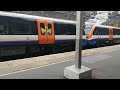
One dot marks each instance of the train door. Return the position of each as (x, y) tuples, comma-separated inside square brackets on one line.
[(110, 34), (46, 33)]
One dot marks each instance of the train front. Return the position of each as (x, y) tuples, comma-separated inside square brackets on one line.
[(88, 33)]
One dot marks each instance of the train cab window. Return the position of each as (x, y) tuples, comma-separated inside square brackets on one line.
[(3, 29), (87, 30), (20, 28)]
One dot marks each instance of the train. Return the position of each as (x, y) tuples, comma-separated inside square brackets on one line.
[(29, 34), (22, 34), (102, 35)]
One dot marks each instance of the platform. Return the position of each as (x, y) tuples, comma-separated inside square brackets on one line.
[(104, 61)]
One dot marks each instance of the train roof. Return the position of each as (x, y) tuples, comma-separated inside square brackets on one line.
[(105, 26), (33, 17)]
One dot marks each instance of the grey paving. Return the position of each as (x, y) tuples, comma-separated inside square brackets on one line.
[(108, 67), (96, 58)]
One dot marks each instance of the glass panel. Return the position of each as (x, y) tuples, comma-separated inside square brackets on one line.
[(20, 28), (87, 30), (3, 29), (43, 30), (49, 30)]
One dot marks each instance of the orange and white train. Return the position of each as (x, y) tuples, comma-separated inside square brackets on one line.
[(27, 34), (98, 35)]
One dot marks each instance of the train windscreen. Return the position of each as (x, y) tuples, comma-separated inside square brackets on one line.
[(87, 29)]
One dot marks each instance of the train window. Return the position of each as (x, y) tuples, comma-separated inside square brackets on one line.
[(49, 30), (67, 29), (57, 28), (71, 29), (116, 31), (20, 28), (34, 28), (63, 29), (43, 30), (3, 29), (101, 31), (104, 31), (96, 31)]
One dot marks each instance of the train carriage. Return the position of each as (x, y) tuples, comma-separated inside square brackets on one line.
[(28, 34)]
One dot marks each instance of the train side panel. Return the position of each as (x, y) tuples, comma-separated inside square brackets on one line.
[(28, 36), (14, 40)]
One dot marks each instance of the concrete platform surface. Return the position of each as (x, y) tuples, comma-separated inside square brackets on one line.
[(109, 63)]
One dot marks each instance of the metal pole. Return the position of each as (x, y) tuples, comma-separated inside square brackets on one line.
[(79, 31)]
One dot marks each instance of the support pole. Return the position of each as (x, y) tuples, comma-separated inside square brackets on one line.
[(79, 32), (77, 71)]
